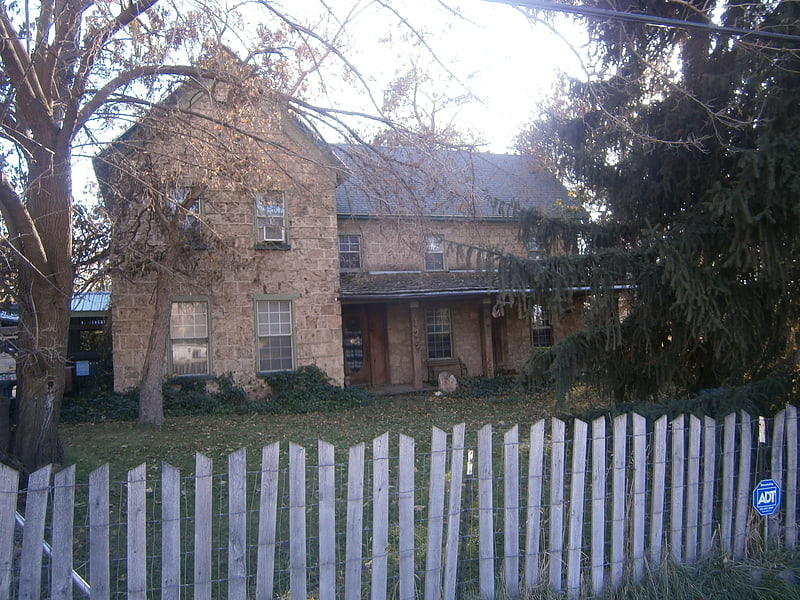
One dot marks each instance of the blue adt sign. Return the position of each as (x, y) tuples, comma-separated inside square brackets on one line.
[(766, 497)]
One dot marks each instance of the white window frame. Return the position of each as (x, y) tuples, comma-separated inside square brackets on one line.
[(274, 323), (541, 327), (349, 252), (265, 222), (438, 322), (196, 332), (434, 250)]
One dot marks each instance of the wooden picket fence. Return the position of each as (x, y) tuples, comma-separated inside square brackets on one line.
[(573, 507)]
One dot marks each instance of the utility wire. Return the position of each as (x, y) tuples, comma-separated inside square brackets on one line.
[(591, 11)]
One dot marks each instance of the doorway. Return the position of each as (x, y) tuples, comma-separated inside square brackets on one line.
[(364, 338)]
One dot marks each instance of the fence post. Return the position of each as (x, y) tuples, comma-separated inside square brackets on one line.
[(598, 504), (454, 512), (297, 522), (355, 518), (791, 478), (237, 525), (619, 492), (405, 509), (576, 506), (203, 479), (170, 533), (380, 516), (533, 513), (136, 530), (9, 488), (556, 503), (267, 520), (639, 494), (433, 560), (707, 510), (485, 514), (327, 523), (511, 511), (743, 499)]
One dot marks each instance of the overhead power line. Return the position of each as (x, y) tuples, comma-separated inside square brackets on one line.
[(605, 13)]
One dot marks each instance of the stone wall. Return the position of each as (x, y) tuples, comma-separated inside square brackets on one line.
[(232, 272), (399, 245)]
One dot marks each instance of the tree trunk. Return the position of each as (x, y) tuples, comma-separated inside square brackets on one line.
[(151, 395), (44, 296), (41, 364)]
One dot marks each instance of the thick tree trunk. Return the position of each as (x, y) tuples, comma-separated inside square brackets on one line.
[(44, 296), (151, 396), (41, 363)]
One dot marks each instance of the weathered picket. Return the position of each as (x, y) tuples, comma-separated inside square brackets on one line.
[(615, 504)]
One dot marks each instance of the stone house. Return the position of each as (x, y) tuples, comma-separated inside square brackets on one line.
[(259, 292), (363, 262), (418, 293)]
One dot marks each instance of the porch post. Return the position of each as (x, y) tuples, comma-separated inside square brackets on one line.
[(416, 343), (487, 347)]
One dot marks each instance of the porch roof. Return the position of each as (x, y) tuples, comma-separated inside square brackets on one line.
[(416, 284)]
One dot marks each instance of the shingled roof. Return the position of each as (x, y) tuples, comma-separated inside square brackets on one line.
[(379, 286), (451, 184)]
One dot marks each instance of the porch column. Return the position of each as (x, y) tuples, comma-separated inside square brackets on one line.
[(417, 343), (487, 347)]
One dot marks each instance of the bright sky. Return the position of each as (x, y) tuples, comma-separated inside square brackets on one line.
[(508, 61)]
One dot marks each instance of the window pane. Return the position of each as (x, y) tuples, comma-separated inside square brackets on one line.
[(437, 325), (189, 358), (270, 217), (274, 331), (349, 252), (189, 338), (189, 320), (434, 253), (541, 328)]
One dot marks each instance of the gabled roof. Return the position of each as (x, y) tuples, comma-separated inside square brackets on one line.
[(409, 182)]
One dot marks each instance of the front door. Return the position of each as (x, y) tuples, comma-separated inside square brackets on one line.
[(364, 340)]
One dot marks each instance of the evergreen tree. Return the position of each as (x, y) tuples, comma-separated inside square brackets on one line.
[(689, 142)]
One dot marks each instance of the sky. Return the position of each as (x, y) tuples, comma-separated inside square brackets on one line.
[(505, 59)]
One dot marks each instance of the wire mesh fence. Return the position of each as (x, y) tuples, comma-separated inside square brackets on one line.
[(575, 507)]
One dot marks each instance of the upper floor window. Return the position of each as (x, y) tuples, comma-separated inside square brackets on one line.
[(541, 328), (188, 211), (534, 251), (439, 333), (434, 253), (189, 340), (274, 334), (270, 212), (349, 252)]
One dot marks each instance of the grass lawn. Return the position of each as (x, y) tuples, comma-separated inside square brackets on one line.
[(125, 445)]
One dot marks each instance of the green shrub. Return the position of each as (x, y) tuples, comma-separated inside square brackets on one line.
[(94, 408), (182, 397), (309, 389)]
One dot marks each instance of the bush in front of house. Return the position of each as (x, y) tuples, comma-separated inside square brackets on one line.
[(309, 389)]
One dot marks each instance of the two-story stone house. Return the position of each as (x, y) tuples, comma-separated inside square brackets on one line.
[(357, 260)]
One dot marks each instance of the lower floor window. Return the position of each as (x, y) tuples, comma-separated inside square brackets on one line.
[(189, 338), (274, 332), (541, 328), (439, 333)]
